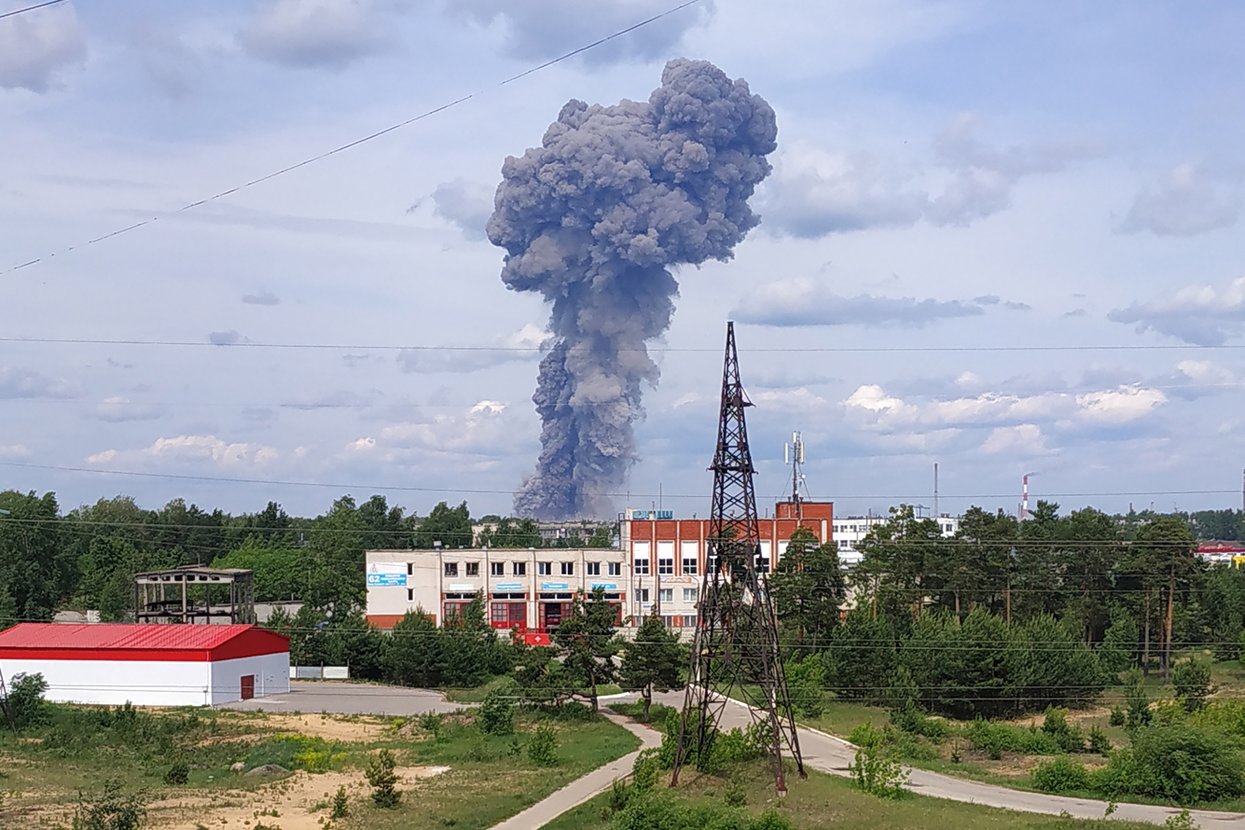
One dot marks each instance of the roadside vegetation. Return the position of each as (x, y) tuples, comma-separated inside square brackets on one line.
[(124, 768)]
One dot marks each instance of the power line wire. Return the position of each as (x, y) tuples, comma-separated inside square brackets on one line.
[(405, 488), (392, 347), (30, 8), (358, 141)]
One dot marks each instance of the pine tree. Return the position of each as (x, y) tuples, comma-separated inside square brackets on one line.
[(652, 661)]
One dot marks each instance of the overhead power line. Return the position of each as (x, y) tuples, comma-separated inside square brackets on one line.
[(358, 141), (416, 347), (631, 494), (16, 12)]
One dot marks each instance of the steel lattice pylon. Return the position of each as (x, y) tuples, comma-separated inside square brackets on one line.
[(735, 648)]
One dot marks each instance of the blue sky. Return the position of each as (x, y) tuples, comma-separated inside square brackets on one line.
[(949, 174)]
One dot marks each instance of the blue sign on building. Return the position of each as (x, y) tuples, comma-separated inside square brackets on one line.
[(608, 586), (386, 579), (554, 586), (507, 586), (643, 515)]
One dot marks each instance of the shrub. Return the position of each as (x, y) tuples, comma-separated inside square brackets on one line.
[(645, 770), (737, 745), (1180, 764), (875, 774), (1191, 679), (620, 796), (806, 682), (1061, 775), (734, 794), (865, 735), (381, 775), (1136, 700), (341, 806), (543, 748), (26, 704), (179, 773), (1227, 716), (112, 809), (1065, 735), (1098, 741), (497, 713), (1118, 717), (997, 738), (913, 721)]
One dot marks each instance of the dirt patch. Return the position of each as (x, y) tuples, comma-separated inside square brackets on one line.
[(1074, 716), (300, 802), (352, 730)]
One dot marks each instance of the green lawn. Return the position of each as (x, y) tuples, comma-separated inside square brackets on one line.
[(824, 801)]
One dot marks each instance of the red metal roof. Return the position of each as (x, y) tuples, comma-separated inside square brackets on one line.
[(109, 641)]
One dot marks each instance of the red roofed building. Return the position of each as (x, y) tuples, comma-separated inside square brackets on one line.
[(148, 665)]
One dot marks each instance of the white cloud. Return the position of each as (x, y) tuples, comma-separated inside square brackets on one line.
[(805, 302), (1118, 406), (14, 452), (208, 449), (23, 383), (261, 298), (522, 345), (1025, 439), (224, 338), (465, 204), (1205, 315), (1186, 202), (119, 409), (315, 33), (484, 429), (36, 46)]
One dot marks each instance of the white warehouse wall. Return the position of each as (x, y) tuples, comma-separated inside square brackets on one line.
[(113, 682), (272, 676)]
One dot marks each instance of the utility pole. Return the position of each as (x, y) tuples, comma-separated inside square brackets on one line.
[(735, 647)]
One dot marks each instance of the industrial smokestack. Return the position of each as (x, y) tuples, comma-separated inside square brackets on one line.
[(594, 219), (1024, 497)]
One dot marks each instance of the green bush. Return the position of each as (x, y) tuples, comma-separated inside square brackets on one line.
[(543, 748), (341, 805), (997, 738), (112, 809), (1191, 680), (1136, 700), (662, 810), (913, 721), (865, 735), (876, 774), (383, 778), (1118, 717), (179, 773), (1098, 741), (1061, 775), (496, 715), (645, 771), (1065, 735), (1180, 764), (26, 704), (1226, 716)]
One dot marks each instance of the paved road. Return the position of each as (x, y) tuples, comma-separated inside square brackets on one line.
[(582, 789), (341, 697), (826, 753)]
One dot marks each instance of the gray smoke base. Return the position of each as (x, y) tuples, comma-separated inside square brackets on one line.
[(593, 219)]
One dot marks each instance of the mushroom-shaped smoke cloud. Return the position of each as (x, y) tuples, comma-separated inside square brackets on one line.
[(594, 219)]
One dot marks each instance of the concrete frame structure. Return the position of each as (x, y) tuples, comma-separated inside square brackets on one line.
[(192, 587), (149, 665)]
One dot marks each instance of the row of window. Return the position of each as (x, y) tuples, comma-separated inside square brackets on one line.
[(690, 595), (664, 566), (542, 568)]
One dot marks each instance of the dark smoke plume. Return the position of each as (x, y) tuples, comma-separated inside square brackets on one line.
[(594, 219)]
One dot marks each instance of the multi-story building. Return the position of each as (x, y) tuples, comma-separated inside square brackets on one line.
[(668, 555), (658, 569), (849, 531)]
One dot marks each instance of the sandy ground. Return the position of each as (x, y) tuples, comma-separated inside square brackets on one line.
[(328, 727), (299, 802)]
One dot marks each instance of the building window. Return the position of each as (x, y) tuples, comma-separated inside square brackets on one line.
[(665, 566), (451, 569), (642, 593), (410, 568), (568, 569), (667, 621), (473, 569), (613, 568), (519, 568), (689, 565), (497, 568), (842, 543), (762, 564), (641, 566), (665, 595), (544, 568), (410, 594), (594, 568), (690, 594)]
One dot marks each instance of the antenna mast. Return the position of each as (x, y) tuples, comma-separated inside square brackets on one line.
[(735, 647), (793, 454)]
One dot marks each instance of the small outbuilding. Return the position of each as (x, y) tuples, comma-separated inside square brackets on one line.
[(148, 665)]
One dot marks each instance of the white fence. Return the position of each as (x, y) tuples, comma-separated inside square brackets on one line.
[(319, 672)]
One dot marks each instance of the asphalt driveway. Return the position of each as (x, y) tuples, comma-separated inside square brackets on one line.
[(344, 698)]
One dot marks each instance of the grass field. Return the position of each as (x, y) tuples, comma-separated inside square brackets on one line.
[(824, 801), (476, 694), (452, 775)]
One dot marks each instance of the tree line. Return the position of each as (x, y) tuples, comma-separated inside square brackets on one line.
[(85, 557)]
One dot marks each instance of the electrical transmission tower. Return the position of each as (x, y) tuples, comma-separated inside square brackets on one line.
[(735, 648)]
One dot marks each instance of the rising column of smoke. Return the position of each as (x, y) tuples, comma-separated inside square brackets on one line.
[(593, 219)]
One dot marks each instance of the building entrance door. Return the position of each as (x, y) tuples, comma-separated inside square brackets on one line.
[(248, 686)]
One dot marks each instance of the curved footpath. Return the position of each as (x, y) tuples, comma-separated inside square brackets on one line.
[(826, 753)]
